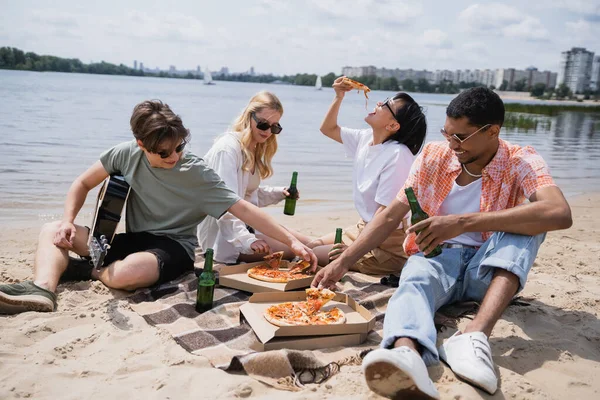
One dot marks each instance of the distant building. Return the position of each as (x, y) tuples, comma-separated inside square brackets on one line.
[(595, 78), (142, 66), (251, 72), (575, 69), (134, 64), (224, 71), (359, 71), (546, 77), (442, 75), (529, 77), (172, 69), (487, 77)]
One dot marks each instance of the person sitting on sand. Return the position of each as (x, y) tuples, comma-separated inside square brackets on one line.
[(242, 157), (474, 188), (382, 157), (172, 190)]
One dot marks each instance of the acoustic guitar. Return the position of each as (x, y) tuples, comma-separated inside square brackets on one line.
[(109, 207)]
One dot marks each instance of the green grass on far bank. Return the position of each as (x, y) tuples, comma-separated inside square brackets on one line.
[(515, 120), (547, 109)]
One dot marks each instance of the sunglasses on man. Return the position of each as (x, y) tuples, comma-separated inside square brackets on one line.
[(178, 149), (264, 125), (459, 140)]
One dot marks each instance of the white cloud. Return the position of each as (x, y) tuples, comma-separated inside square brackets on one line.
[(435, 38), (585, 32), (501, 20), (55, 18), (172, 26), (529, 29), (389, 11), (585, 7)]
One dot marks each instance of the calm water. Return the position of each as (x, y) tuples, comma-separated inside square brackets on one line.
[(53, 126)]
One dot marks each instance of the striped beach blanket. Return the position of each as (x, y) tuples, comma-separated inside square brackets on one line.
[(228, 342)]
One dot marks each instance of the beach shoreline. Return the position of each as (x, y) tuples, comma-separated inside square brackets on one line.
[(96, 346)]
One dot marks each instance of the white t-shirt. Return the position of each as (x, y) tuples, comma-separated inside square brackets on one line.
[(379, 171), (464, 200)]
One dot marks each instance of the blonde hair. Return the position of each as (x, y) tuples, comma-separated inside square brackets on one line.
[(264, 152)]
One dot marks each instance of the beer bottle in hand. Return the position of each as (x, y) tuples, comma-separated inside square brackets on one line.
[(206, 284), (338, 236), (290, 201), (419, 215)]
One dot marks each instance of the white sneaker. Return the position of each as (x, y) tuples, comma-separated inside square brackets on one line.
[(399, 373), (470, 357)]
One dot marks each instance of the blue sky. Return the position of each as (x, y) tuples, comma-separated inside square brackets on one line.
[(313, 36)]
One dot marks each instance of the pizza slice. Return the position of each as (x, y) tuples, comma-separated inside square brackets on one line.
[(292, 314), (357, 85), (273, 260), (300, 267), (317, 298)]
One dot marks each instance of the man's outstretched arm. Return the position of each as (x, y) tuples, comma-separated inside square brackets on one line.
[(376, 231), (266, 224)]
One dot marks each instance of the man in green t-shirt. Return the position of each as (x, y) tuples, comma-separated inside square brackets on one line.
[(172, 191)]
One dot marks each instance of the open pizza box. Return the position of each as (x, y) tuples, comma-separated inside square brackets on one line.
[(236, 277), (359, 322)]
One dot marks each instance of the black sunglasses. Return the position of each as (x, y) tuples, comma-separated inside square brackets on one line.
[(386, 103), (178, 149), (264, 125)]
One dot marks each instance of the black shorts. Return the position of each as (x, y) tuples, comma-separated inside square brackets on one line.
[(172, 258)]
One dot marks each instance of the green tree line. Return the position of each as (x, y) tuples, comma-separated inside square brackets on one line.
[(13, 58)]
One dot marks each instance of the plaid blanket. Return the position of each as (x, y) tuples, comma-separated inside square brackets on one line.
[(220, 336)]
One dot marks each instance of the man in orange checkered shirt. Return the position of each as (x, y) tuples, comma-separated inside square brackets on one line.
[(474, 187)]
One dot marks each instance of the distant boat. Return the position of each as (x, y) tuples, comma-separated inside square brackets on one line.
[(318, 85), (208, 77)]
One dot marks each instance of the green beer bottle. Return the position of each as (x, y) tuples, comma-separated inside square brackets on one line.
[(206, 284), (338, 236), (290, 201), (419, 215)]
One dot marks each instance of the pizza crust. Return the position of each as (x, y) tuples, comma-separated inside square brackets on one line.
[(254, 273)]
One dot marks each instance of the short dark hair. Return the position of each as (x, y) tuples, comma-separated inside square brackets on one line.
[(153, 122), (413, 125), (480, 105)]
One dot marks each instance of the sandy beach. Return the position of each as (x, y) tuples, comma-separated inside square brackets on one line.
[(96, 347)]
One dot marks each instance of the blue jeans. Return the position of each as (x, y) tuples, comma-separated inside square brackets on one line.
[(458, 274)]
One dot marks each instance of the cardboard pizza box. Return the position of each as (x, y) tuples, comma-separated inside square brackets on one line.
[(236, 276), (359, 322), (310, 342)]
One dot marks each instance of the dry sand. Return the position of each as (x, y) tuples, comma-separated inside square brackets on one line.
[(96, 347)]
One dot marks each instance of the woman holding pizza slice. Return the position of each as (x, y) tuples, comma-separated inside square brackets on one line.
[(383, 155), (242, 158)]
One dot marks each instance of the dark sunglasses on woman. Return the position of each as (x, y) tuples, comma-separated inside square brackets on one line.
[(264, 125)]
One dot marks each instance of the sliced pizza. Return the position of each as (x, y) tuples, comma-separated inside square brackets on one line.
[(300, 266), (268, 274), (357, 85), (317, 298), (274, 259), (293, 314)]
